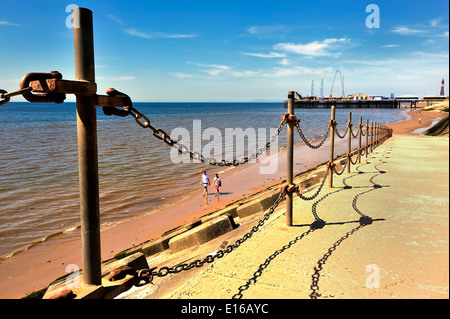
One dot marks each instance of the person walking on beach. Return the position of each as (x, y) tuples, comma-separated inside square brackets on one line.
[(205, 182), (217, 183)]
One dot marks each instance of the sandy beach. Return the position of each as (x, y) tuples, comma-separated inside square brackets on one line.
[(35, 268)]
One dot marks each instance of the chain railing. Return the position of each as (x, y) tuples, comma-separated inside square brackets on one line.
[(51, 87)]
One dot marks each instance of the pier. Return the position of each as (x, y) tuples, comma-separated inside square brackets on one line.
[(395, 103), (352, 104)]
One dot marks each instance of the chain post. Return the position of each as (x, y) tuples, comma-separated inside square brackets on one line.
[(332, 129), (349, 124), (360, 138), (371, 137), (290, 158), (367, 138), (87, 147)]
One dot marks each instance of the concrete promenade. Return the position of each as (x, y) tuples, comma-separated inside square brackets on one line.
[(403, 253)]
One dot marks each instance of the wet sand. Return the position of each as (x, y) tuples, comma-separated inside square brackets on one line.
[(35, 268)]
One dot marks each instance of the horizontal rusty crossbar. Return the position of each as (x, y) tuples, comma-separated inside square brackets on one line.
[(64, 86), (79, 88)]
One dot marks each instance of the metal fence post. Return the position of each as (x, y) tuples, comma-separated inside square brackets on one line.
[(87, 148), (349, 127), (371, 137), (332, 129), (367, 138), (290, 158), (360, 137)]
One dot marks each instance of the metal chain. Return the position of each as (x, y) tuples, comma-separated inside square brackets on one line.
[(144, 122), (339, 135), (318, 190), (356, 159), (343, 168), (299, 130), (164, 271), (357, 133), (6, 96)]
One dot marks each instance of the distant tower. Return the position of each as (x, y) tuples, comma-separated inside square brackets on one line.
[(312, 84), (321, 85), (442, 87)]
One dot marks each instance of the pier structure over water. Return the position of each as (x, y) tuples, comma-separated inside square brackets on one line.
[(395, 103)]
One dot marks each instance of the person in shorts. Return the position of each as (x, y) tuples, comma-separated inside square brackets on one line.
[(217, 183), (205, 182)]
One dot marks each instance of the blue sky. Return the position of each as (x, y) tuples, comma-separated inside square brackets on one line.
[(234, 50)]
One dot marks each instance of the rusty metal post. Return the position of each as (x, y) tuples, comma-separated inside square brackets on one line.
[(367, 138), (332, 129), (290, 158), (360, 138), (349, 151), (83, 37), (371, 137)]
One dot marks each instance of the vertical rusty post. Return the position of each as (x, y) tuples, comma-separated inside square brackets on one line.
[(360, 137), (290, 158), (371, 137), (83, 37), (379, 133), (349, 150), (367, 138), (332, 129)]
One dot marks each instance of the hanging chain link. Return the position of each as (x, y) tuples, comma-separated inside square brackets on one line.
[(6, 96), (164, 271), (299, 130), (343, 168), (144, 122), (318, 190), (339, 135)]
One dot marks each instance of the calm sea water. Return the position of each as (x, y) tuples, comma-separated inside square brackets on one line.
[(39, 165)]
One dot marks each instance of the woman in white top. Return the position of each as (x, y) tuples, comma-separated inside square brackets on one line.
[(205, 182), (217, 183)]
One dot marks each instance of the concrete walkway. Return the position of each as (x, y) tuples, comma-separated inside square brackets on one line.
[(403, 253)]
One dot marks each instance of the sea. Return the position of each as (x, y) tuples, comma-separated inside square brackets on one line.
[(138, 173)]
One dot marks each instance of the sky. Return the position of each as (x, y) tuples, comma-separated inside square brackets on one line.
[(235, 51)]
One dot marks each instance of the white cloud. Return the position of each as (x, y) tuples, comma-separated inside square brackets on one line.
[(315, 48), (8, 23), (404, 30), (270, 55), (117, 78), (284, 62), (115, 19), (215, 66), (435, 22), (213, 69), (137, 33), (266, 30), (390, 45), (181, 75), (247, 73)]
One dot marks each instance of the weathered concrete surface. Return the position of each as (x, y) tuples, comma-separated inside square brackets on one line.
[(404, 253)]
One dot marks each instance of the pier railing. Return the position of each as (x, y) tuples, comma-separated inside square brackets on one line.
[(51, 87)]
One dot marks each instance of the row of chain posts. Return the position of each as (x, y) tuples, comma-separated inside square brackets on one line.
[(52, 88), (143, 121)]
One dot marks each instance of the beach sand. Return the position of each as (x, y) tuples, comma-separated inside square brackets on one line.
[(35, 268)]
